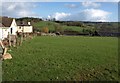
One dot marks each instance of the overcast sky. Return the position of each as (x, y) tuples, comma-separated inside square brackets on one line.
[(75, 11)]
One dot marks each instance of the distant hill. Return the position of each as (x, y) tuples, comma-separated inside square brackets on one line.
[(78, 27), (104, 28)]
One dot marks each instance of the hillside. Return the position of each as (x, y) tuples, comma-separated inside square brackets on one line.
[(75, 27), (102, 26), (54, 27)]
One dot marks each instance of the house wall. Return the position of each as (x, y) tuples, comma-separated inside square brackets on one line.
[(19, 28), (0, 33), (26, 29), (13, 27), (4, 32)]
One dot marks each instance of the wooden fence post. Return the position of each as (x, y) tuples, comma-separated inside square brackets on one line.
[(9, 36), (21, 39), (15, 41), (2, 51)]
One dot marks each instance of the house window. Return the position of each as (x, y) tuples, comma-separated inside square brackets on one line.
[(19, 27), (11, 30)]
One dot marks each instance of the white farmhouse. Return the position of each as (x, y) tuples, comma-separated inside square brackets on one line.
[(10, 26), (7, 26), (24, 27)]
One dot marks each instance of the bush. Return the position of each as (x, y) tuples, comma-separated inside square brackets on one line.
[(58, 28), (45, 30)]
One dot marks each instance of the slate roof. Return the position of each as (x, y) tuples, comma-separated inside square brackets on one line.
[(1, 25), (22, 23), (5, 22)]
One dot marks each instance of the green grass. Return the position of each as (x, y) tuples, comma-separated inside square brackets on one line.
[(43, 24), (63, 58), (73, 28)]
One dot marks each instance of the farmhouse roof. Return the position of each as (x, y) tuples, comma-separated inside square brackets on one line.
[(1, 25), (5, 21), (22, 23)]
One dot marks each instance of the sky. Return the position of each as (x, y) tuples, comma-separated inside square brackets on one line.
[(64, 11)]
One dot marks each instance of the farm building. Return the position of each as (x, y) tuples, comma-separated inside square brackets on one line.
[(24, 27), (10, 26), (7, 26)]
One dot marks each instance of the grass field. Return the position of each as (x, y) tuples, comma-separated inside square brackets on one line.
[(63, 58)]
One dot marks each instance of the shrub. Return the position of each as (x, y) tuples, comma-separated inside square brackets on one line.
[(58, 28), (45, 30)]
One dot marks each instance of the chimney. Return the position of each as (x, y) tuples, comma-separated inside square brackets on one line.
[(28, 23)]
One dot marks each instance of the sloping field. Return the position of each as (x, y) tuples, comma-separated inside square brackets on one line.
[(51, 26), (63, 58)]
